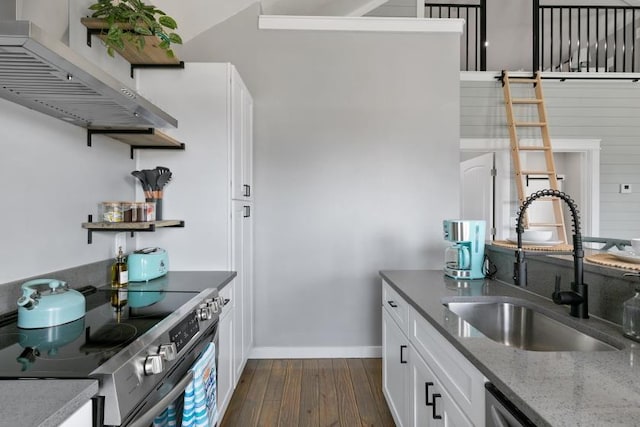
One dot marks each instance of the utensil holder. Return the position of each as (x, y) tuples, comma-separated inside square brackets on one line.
[(158, 207)]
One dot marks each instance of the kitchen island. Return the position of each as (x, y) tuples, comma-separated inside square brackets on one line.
[(551, 388)]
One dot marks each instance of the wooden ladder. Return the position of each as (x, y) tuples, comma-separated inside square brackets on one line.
[(545, 148)]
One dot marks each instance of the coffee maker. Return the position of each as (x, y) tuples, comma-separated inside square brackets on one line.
[(464, 259)]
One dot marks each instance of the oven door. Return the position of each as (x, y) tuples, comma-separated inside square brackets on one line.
[(171, 391)]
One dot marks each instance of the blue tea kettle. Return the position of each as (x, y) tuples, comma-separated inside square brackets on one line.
[(48, 302)]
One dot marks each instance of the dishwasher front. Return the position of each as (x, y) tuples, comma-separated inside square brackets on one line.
[(500, 412)]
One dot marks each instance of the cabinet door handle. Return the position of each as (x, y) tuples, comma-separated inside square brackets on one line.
[(247, 211), (226, 301), (402, 347), (247, 190), (435, 416), (392, 304), (426, 393)]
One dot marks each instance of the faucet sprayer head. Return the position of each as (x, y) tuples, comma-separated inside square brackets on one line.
[(550, 193)]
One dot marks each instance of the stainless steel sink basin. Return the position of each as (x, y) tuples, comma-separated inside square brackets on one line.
[(523, 327)]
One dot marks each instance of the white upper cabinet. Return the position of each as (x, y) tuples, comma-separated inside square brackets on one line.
[(241, 140)]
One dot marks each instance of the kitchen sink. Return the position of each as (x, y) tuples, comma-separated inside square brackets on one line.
[(523, 326)]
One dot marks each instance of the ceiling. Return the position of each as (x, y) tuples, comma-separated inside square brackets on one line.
[(205, 14)]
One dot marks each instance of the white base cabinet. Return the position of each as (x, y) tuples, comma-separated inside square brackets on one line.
[(431, 404), (242, 262), (394, 368), (82, 417), (226, 372), (426, 381)]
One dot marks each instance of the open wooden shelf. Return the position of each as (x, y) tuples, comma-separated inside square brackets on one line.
[(132, 226), (138, 138), (129, 226), (150, 54)]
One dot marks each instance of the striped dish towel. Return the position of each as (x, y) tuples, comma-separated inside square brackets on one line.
[(167, 418), (200, 396)]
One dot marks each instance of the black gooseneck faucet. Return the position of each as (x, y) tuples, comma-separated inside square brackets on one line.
[(578, 296)]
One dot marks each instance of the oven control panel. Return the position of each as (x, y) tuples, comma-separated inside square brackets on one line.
[(182, 333)]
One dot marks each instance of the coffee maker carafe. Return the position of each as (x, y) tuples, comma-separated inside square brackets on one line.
[(465, 257)]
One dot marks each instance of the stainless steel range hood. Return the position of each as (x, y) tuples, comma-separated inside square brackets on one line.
[(46, 75)]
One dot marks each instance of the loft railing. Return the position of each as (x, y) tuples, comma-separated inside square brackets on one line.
[(586, 38), (473, 49)]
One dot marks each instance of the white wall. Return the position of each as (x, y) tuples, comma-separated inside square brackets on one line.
[(50, 181), (356, 166)]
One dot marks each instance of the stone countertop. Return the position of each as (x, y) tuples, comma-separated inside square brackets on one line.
[(48, 402), (551, 388), (194, 281), (43, 403)]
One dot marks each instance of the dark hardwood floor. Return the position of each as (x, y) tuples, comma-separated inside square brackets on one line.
[(309, 392)]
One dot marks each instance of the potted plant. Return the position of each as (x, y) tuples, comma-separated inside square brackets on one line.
[(133, 22)]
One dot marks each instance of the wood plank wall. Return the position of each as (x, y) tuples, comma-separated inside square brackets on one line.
[(587, 109)]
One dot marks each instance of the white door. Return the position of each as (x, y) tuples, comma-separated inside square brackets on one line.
[(476, 178), (540, 211)]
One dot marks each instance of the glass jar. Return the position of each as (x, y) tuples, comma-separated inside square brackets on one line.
[(111, 211), (150, 211), (129, 212), (631, 316)]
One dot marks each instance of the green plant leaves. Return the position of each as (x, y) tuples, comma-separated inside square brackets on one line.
[(167, 21), (175, 38), (142, 19)]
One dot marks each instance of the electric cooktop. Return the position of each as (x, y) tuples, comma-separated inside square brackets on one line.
[(75, 349)]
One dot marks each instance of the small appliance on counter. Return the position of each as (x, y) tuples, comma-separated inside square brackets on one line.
[(147, 264), (48, 302), (464, 259)]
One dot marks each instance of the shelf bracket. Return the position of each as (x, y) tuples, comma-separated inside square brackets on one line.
[(89, 231), (155, 147), (91, 132), (148, 131), (179, 65)]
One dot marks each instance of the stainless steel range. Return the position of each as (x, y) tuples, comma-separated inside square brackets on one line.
[(141, 352)]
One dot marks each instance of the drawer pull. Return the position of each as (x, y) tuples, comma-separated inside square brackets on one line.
[(435, 416), (402, 347), (426, 393), (392, 304)]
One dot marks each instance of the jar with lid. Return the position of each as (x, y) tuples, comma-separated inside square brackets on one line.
[(111, 211), (129, 212)]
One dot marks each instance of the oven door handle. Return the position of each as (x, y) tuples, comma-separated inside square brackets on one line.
[(147, 418)]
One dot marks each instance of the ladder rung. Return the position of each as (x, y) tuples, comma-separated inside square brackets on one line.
[(534, 148), (526, 101), (537, 172), (522, 80), (530, 124)]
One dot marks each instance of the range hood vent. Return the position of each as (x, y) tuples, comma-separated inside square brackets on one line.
[(46, 75)]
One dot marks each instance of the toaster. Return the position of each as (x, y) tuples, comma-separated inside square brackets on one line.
[(147, 264)]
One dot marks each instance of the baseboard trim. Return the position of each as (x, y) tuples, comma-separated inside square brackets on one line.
[(314, 352)]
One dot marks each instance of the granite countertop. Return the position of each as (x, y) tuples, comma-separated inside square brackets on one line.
[(551, 388), (43, 403), (48, 402), (196, 281)]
